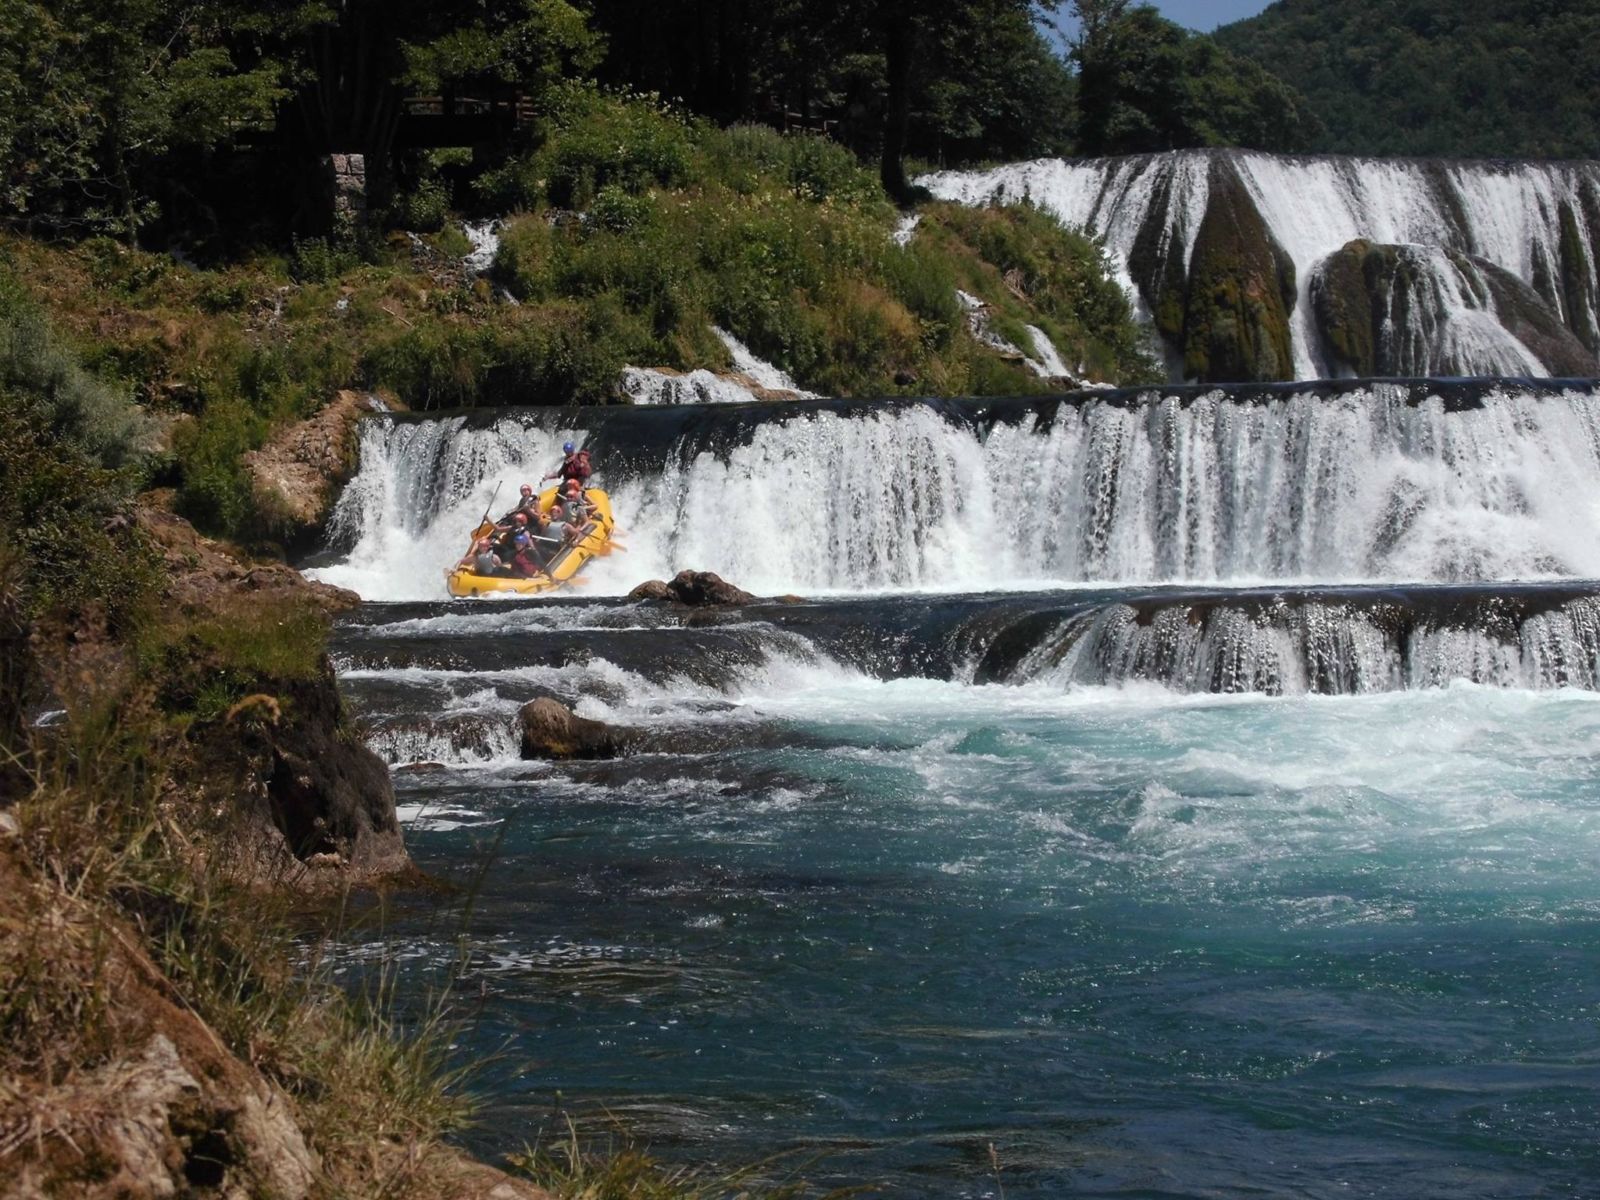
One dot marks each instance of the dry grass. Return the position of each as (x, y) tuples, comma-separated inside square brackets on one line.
[(113, 926), (616, 1168)]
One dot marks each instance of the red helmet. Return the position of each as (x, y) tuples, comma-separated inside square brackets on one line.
[(521, 518), (574, 486), (527, 489)]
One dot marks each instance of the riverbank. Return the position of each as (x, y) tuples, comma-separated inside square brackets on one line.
[(188, 804)]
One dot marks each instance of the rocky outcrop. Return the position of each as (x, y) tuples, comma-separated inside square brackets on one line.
[(297, 474), (1417, 310), (147, 1100), (1241, 290), (325, 801), (315, 807), (199, 569), (698, 588), (552, 730)]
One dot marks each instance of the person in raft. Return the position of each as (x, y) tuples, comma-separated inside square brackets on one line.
[(527, 503), (574, 466), (573, 507), (525, 559), (482, 560)]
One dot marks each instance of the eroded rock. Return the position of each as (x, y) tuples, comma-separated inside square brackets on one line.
[(297, 474), (552, 730), (699, 588)]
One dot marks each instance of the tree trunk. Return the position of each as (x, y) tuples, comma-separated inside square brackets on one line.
[(898, 45)]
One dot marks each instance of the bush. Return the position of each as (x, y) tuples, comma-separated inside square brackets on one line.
[(628, 142), (618, 211), (58, 510), (214, 489), (318, 260), (425, 207), (74, 404), (925, 283)]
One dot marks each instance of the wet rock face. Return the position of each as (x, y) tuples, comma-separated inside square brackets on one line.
[(552, 730), (1386, 310), (327, 793), (316, 805), (698, 588), (1241, 290)]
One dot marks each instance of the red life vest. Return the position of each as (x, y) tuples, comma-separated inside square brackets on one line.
[(577, 467)]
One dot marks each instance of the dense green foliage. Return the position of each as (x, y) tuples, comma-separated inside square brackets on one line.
[(1438, 77), (69, 451), (980, 81), (784, 241), (642, 229), (1146, 84)]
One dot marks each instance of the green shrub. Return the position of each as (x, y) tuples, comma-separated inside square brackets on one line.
[(318, 260), (619, 211), (629, 142), (425, 207), (58, 510), (75, 404), (214, 489), (925, 283)]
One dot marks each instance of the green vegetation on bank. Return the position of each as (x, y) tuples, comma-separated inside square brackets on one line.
[(637, 230), (1468, 78), (128, 917)]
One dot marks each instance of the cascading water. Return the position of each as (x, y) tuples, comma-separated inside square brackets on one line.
[(1538, 221), (1332, 647), (1358, 482)]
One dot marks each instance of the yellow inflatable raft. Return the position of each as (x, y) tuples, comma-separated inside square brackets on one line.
[(568, 561)]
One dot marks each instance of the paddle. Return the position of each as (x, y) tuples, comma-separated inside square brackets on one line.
[(486, 523)]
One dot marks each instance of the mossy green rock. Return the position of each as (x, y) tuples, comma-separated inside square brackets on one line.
[(1241, 292), (1375, 308)]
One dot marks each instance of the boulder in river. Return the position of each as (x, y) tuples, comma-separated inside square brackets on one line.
[(652, 589), (694, 588), (552, 730)]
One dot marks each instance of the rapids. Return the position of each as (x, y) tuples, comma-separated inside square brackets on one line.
[(881, 890), (1184, 792)]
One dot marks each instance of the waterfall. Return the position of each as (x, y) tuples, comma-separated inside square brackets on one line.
[(1539, 222), (1352, 482), (1287, 646)]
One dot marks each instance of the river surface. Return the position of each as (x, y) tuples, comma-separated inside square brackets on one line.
[(895, 878)]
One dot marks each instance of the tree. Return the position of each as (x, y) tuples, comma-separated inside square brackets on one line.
[(1450, 77), (94, 92), (1147, 84), (359, 65)]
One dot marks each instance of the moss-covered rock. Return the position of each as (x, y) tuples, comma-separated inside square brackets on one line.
[(1538, 326), (1159, 264), (1581, 305), (1343, 308), (1241, 292), (1388, 310)]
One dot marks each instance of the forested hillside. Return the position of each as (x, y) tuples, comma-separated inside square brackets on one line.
[(1467, 78)]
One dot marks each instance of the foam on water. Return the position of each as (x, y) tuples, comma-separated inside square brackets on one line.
[(1359, 485)]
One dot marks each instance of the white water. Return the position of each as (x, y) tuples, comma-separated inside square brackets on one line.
[(771, 377), (1360, 486), (648, 385), (1441, 320), (1508, 215), (485, 239), (1316, 647)]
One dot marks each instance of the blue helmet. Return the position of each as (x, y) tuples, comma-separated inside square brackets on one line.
[(568, 448)]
